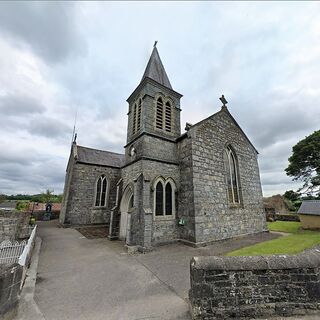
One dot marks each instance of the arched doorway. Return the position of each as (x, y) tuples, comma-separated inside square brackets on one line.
[(125, 206)]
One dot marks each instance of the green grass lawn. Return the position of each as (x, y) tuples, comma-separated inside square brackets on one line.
[(297, 241), (284, 226)]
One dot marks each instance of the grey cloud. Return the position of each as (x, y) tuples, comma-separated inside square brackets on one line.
[(50, 128), (32, 176), (18, 105), (17, 155), (274, 178), (8, 123), (279, 123), (47, 27), (15, 159)]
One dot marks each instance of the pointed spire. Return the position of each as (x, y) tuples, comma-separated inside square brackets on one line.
[(155, 69)]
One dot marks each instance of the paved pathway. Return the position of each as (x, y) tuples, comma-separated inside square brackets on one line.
[(82, 279)]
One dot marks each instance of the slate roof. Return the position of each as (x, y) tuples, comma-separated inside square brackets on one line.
[(310, 207), (155, 70), (99, 157)]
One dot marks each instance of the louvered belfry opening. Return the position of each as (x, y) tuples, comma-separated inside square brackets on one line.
[(134, 118), (159, 114), (139, 115), (168, 117), (163, 115)]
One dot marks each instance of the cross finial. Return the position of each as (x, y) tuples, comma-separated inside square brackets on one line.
[(155, 43), (223, 100)]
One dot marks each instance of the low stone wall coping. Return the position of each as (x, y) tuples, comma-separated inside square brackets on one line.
[(307, 259)]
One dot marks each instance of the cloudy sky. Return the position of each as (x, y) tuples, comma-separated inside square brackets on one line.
[(56, 58)]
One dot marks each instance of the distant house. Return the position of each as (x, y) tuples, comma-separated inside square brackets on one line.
[(37, 207), (8, 205), (38, 210), (276, 204), (309, 213)]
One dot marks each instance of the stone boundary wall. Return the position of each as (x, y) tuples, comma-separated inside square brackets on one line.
[(14, 225), (287, 217), (255, 286), (10, 283)]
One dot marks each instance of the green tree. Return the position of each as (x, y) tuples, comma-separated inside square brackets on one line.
[(304, 164), (22, 205), (47, 196), (292, 195), (2, 198)]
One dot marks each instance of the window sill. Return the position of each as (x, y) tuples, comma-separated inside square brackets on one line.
[(164, 218), (99, 208), (235, 205)]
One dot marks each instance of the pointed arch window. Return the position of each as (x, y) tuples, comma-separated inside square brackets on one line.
[(101, 191), (232, 176), (168, 199), (164, 198), (159, 199)]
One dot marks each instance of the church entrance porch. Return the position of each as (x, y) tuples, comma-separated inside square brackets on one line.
[(125, 207)]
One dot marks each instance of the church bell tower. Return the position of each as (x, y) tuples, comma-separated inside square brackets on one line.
[(154, 114)]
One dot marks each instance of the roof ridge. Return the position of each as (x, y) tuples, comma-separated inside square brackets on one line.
[(120, 154)]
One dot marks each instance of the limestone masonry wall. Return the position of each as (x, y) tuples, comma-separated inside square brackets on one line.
[(10, 281), (186, 196), (254, 287), (215, 216), (164, 229), (80, 208), (14, 225)]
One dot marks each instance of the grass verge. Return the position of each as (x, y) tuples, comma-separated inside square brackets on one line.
[(297, 241), (284, 226)]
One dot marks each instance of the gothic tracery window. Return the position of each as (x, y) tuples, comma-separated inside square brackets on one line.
[(232, 177), (101, 191), (164, 198)]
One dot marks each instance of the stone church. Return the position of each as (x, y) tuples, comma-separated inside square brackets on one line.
[(195, 187)]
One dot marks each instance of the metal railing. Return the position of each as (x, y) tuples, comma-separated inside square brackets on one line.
[(10, 251), (17, 252)]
